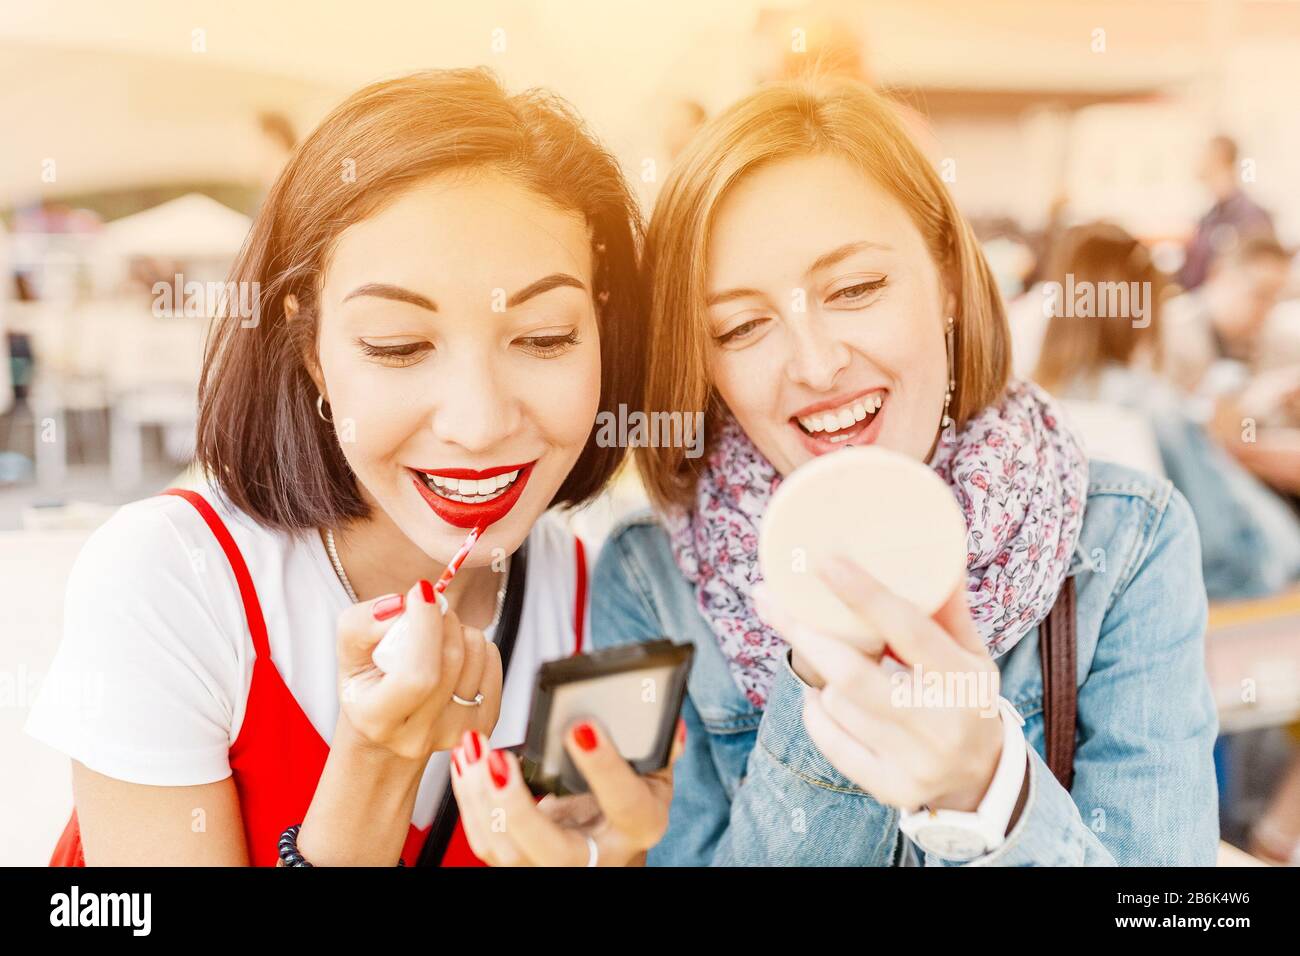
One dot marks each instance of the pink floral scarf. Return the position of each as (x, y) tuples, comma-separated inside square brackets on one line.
[(1019, 476)]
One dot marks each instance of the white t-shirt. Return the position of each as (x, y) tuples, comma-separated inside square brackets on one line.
[(150, 682)]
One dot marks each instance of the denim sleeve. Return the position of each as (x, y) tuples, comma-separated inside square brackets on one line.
[(1144, 791), (793, 807), (790, 806), (622, 614)]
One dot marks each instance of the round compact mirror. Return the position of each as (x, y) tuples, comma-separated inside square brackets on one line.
[(889, 513)]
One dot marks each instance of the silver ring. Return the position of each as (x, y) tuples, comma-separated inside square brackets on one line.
[(478, 699), (593, 852)]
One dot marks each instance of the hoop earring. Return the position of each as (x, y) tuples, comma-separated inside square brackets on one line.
[(946, 423), (320, 410)]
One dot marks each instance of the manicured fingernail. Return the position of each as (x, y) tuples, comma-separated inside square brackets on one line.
[(681, 730), (585, 736), (387, 607), (498, 769), (426, 592), (455, 761), (471, 746)]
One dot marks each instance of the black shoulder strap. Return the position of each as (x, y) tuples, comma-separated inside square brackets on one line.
[(1056, 647), (444, 821)]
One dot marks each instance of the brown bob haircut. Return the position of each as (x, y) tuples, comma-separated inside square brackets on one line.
[(259, 436), (795, 118)]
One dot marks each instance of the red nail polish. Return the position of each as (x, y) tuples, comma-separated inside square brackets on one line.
[(681, 730), (585, 735), (471, 746), (387, 607), (498, 769), (455, 761), (426, 592)]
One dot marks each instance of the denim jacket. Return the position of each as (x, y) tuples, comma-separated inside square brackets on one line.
[(752, 788)]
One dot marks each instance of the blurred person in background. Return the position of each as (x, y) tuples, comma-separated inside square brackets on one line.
[(1212, 341), (1233, 218), (1250, 536), (682, 119), (276, 143), (1222, 320)]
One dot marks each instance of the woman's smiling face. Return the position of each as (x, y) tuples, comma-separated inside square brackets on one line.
[(827, 314), (459, 352)]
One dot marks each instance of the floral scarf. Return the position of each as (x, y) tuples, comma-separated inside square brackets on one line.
[(1019, 476)]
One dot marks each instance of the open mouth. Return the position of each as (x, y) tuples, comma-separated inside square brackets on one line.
[(825, 427), (471, 491), (467, 498)]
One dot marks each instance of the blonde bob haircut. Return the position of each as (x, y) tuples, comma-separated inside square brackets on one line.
[(783, 120)]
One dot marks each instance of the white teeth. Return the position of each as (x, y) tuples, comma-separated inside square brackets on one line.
[(471, 490), (843, 417)]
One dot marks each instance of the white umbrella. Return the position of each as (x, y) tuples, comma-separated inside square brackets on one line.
[(189, 227)]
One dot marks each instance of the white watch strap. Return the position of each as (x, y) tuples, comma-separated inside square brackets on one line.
[(967, 836), (1004, 791)]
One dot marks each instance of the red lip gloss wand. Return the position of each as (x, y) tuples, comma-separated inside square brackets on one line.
[(388, 652), (471, 539)]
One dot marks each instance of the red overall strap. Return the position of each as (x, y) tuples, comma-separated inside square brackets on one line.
[(580, 595), (247, 593), (278, 757), (277, 760)]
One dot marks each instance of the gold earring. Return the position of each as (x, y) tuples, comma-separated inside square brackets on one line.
[(320, 408), (947, 423)]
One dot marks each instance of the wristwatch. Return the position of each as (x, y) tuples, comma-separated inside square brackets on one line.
[(963, 836)]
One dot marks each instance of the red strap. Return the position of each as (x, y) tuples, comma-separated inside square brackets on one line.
[(580, 600), (252, 607)]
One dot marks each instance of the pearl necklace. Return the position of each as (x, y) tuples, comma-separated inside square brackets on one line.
[(333, 553)]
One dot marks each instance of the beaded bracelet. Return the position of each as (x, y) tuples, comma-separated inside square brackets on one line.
[(289, 855)]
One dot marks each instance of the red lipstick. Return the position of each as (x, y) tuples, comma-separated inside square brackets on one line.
[(464, 514)]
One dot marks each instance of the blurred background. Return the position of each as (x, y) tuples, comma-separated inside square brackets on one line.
[(1154, 144)]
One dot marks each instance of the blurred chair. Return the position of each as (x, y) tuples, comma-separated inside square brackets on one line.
[(1252, 653), (1229, 855), (68, 377), (152, 379)]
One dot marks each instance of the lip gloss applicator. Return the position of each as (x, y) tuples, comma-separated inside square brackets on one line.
[(457, 560), (388, 651)]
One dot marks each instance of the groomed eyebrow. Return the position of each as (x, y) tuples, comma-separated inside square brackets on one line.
[(553, 281), (836, 256), (381, 290), (825, 261), (718, 298)]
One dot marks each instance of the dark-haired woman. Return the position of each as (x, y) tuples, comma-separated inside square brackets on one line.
[(446, 280)]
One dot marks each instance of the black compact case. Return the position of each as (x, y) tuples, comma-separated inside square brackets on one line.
[(633, 692)]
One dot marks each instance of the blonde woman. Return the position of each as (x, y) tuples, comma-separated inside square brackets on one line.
[(813, 286)]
